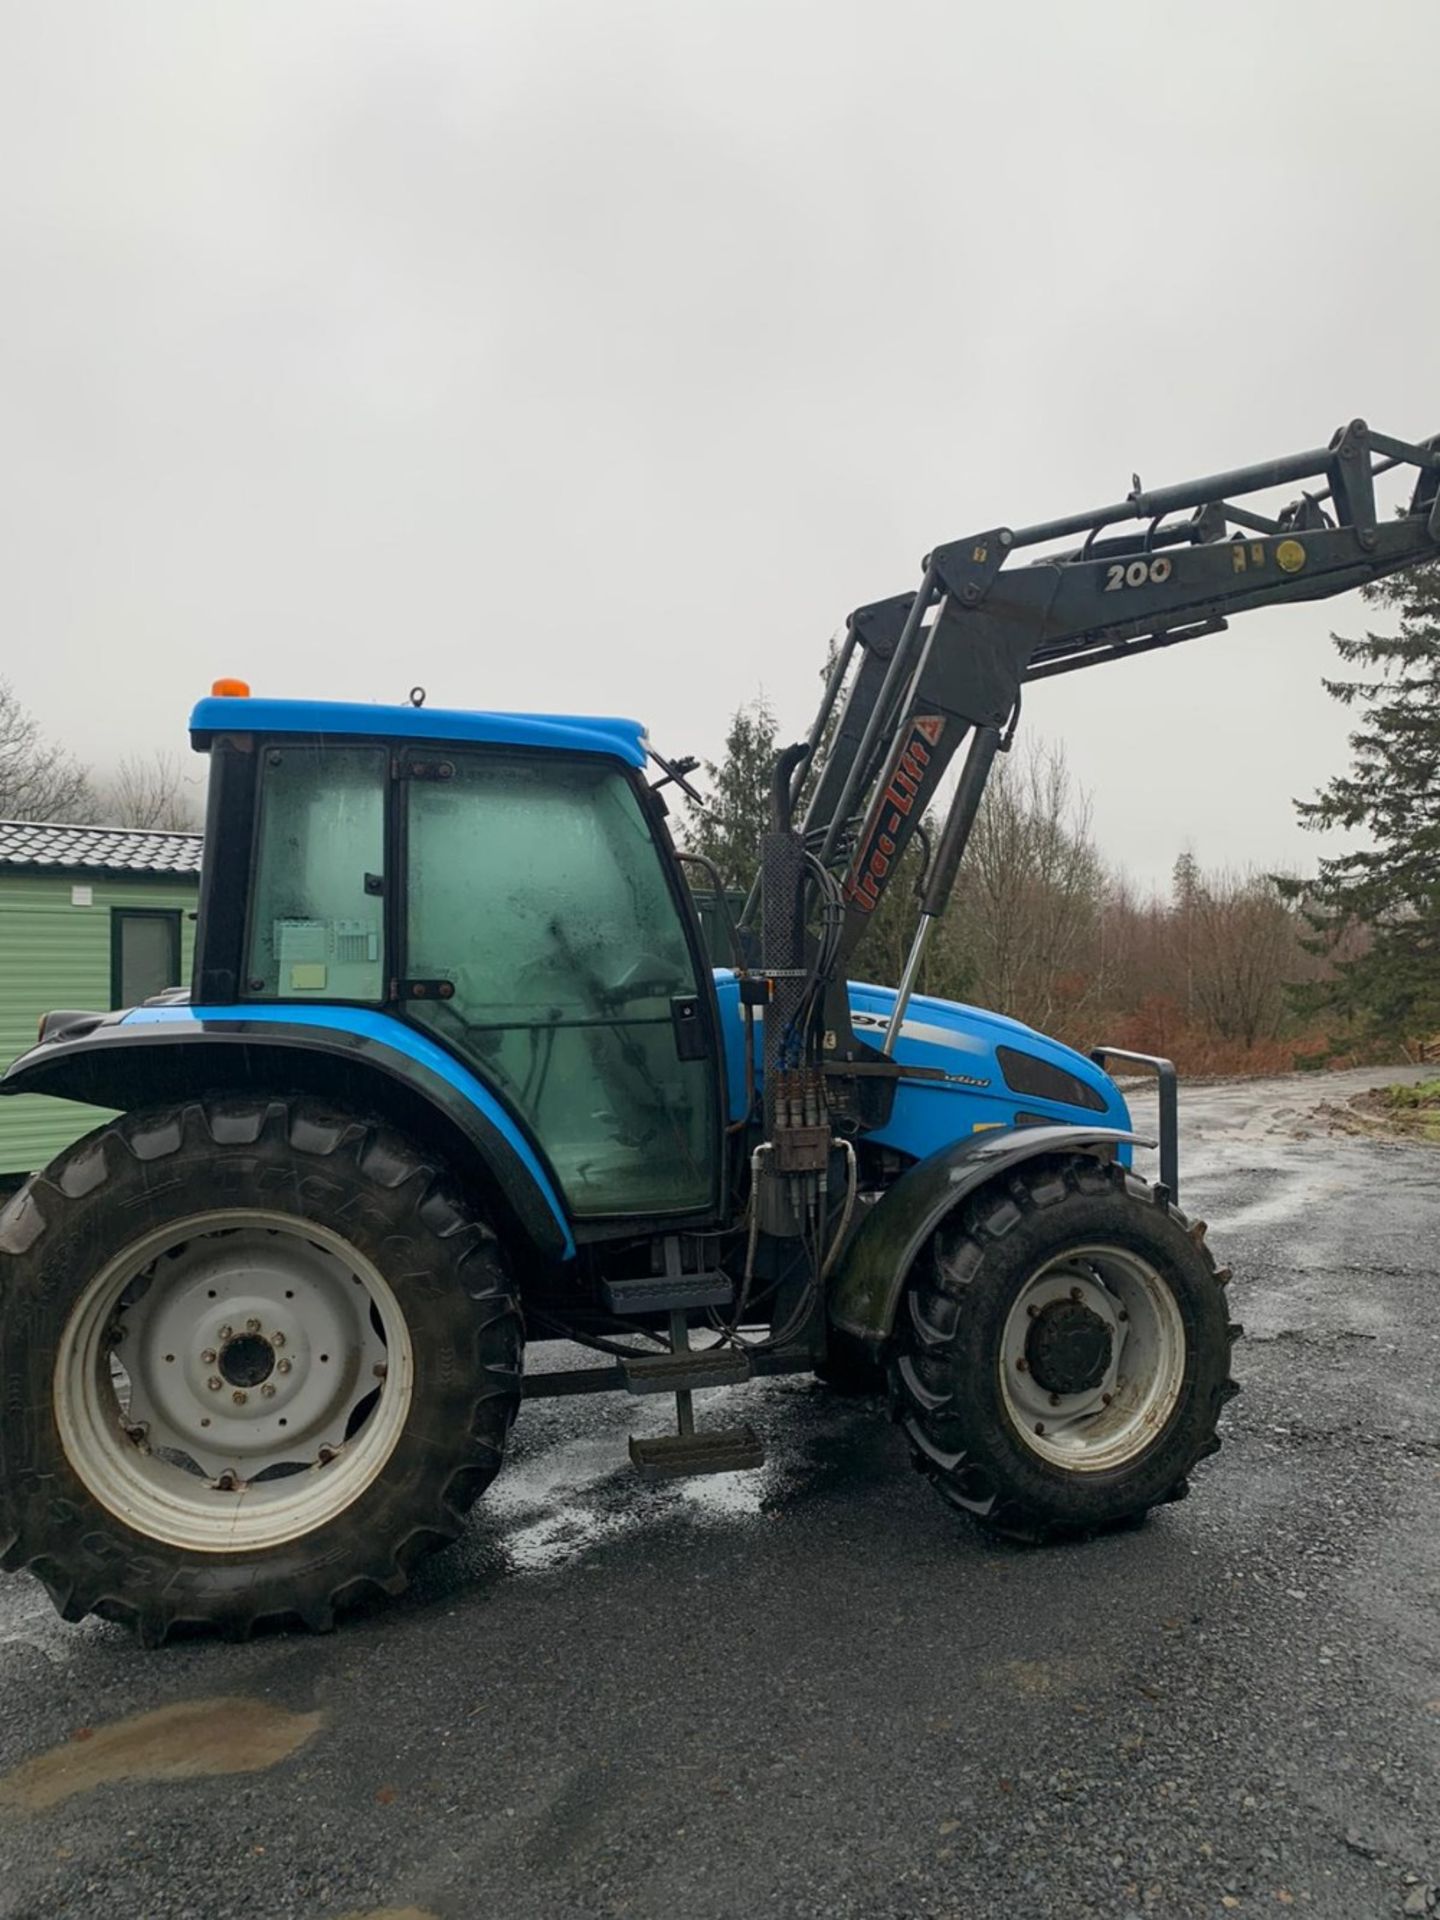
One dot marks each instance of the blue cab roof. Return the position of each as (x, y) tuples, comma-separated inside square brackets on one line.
[(563, 732)]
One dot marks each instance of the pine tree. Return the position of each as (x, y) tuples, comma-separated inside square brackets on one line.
[(729, 830), (1185, 892), (1184, 882), (1391, 888)]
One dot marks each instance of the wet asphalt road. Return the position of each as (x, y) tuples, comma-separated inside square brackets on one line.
[(816, 1692)]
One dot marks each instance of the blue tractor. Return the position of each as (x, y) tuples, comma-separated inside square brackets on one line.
[(455, 1071)]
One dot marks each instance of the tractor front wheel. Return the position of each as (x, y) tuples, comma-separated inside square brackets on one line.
[(259, 1356), (1063, 1353)]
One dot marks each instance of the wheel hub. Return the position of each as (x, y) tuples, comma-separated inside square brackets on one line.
[(247, 1352), (247, 1361), (229, 1381), (1092, 1358), (1069, 1348)]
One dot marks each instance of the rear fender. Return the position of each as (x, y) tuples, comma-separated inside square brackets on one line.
[(865, 1293), (360, 1058)]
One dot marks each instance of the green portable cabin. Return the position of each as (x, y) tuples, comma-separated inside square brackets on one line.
[(93, 918)]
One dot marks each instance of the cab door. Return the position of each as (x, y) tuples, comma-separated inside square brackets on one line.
[(545, 944)]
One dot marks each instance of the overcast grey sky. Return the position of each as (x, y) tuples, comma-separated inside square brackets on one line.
[(602, 356)]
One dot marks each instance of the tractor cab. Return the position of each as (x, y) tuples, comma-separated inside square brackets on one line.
[(504, 886)]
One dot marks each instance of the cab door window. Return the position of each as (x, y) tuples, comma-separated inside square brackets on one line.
[(317, 917), (537, 896)]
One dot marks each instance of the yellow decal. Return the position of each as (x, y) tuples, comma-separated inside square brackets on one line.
[(1237, 556), (984, 1126), (1290, 556), (308, 977), (1257, 553), (978, 555)]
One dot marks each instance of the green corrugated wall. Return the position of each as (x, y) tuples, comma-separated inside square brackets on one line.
[(56, 954)]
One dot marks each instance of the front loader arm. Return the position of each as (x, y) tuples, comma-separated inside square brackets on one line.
[(950, 660)]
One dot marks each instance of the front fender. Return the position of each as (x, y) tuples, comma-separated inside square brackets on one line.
[(865, 1293), (346, 1053)]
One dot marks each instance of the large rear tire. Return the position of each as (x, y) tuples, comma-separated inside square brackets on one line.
[(1063, 1354), (256, 1359)]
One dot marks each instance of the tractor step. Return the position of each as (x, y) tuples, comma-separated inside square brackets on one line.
[(684, 1371), (723, 1450), (665, 1293)]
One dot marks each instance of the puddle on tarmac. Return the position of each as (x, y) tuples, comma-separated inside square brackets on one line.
[(390, 1913), (1037, 1678), (183, 1742)]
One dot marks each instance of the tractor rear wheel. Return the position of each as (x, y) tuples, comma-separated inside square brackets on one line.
[(260, 1356), (1063, 1353)]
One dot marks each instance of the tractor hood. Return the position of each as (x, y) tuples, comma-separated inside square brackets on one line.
[(997, 1072)]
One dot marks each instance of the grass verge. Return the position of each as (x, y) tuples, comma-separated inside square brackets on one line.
[(1405, 1113)]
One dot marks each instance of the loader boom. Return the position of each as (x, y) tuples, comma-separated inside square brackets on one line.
[(948, 662)]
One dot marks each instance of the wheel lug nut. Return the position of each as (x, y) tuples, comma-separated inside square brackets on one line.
[(214, 1383), (207, 1358), (1106, 1398), (1033, 1311), (239, 1396), (1022, 1365), (252, 1326), (1040, 1426), (1054, 1399), (277, 1339), (282, 1366), (268, 1391), (381, 1371), (226, 1332), (1076, 1295)]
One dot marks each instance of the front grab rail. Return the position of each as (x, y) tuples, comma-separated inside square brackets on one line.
[(1168, 1081)]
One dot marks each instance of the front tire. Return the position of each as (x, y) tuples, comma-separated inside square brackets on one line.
[(1063, 1353), (262, 1356)]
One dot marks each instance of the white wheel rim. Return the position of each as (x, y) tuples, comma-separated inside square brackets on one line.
[(221, 1385), (1116, 1415)]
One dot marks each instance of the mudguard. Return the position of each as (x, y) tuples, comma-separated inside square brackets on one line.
[(870, 1278), (129, 1060)]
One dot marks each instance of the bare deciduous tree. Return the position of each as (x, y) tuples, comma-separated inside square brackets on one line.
[(38, 781), (152, 792), (1244, 948), (1029, 896)]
